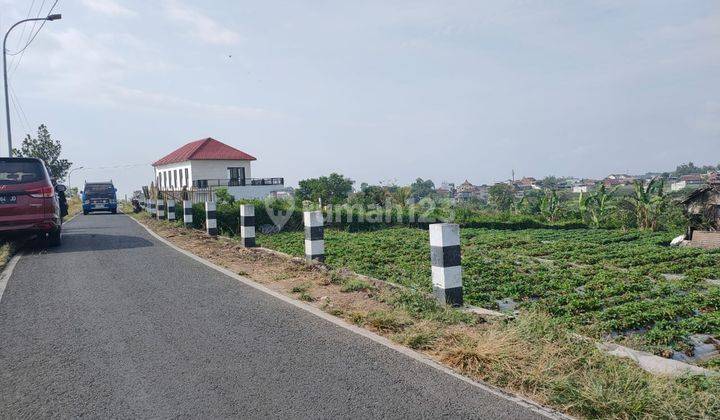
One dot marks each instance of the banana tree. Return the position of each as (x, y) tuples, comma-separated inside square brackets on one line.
[(550, 205), (649, 202), (596, 204)]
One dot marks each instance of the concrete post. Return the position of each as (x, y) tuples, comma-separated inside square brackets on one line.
[(211, 218), (171, 210), (445, 259), (247, 225), (187, 213), (161, 209), (314, 236)]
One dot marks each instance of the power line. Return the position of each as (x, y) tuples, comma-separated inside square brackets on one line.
[(17, 63), (22, 34), (16, 102), (37, 32)]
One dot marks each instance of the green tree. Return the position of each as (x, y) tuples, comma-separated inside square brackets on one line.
[(47, 149), (551, 182), (422, 188), (222, 196), (501, 196), (332, 189)]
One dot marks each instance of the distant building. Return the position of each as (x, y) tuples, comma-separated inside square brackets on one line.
[(688, 181), (525, 184), (206, 164), (618, 179), (584, 185), (467, 191)]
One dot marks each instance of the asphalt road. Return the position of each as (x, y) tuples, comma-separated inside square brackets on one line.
[(116, 324)]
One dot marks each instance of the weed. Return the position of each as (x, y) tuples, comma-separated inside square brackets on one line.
[(300, 288), (357, 318), (416, 338), (306, 297), (355, 285), (385, 321)]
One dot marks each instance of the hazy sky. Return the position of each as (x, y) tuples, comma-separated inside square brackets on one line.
[(376, 90)]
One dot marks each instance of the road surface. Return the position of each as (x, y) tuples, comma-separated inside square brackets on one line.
[(116, 324)]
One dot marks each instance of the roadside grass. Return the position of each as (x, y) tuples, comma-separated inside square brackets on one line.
[(7, 250), (74, 206), (534, 354)]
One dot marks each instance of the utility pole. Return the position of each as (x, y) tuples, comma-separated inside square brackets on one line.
[(5, 75)]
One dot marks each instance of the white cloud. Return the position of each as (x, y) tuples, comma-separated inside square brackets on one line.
[(90, 70), (200, 25), (108, 7)]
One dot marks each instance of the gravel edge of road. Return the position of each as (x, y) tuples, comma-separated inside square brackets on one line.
[(524, 402)]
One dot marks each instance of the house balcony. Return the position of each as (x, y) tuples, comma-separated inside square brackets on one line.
[(240, 182)]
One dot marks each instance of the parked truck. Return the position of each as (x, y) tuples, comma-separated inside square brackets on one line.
[(99, 196)]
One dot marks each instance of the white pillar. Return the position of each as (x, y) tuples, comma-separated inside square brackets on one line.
[(247, 225), (171, 210), (211, 218), (314, 236), (187, 213), (161, 209), (445, 258)]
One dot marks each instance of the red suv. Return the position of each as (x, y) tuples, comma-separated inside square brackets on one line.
[(28, 202)]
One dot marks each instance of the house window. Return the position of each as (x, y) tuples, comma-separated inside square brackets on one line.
[(187, 178), (237, 176), (175, 180)]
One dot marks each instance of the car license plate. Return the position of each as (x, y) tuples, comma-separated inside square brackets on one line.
[(98, 206), (8, 199)]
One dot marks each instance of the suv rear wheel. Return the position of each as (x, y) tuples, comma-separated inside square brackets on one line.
[(53, 237)]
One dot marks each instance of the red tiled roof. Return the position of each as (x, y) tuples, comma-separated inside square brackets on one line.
[(205, 149)]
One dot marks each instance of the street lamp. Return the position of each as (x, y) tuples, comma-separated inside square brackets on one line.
[(7, 101), (71, 171)]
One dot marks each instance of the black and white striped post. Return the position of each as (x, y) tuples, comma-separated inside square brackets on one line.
[(211, 218), (161, 209), (171, 210), (187, 213), (153, 210), (445, 259), (147, 205), (314, 236), (247, 225)]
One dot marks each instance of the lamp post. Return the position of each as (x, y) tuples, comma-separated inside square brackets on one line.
[(71, 171), (7, 100)]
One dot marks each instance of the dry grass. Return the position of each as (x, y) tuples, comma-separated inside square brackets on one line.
[(531, 355)]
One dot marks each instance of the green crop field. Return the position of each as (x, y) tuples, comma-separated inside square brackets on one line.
[(604, 283)]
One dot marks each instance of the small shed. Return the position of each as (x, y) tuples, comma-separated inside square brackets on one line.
[(702, 208)]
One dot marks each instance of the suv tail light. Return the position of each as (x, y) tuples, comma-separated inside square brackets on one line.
[(42, 192)]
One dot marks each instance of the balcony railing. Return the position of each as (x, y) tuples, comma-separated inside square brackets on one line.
[(241, 182)]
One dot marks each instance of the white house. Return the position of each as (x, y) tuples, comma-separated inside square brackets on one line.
[(203, 165)]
